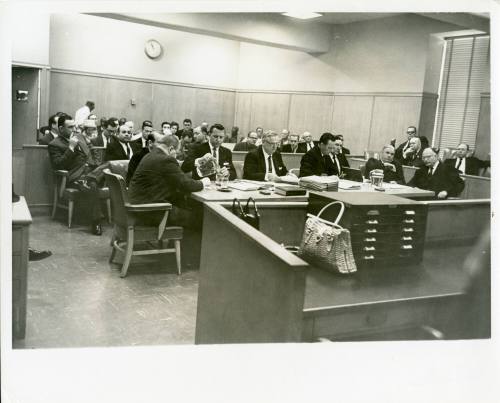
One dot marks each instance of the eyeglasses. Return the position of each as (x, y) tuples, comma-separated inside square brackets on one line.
[(126, 132), (411, 132)]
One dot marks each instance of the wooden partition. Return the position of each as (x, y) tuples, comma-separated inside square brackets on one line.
[(38, 185), (250, 289)]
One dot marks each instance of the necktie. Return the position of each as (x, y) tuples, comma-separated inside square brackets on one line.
[(128, 150), (430, 171), (269, 164), (459, 164), (214, 153)]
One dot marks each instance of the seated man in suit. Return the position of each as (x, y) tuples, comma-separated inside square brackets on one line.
[(293, 145), (248, 143), (213, 148), (138, 156), (343, 150), (308, 141), (339, 160), (412, 156), (393, 170), (466, 165), (265, 163), (158, 178), (118, 147), (285, 133), (110, 127), (70, 152), (442, 179), (398, 155), (52, 131), (142, 140), (318, 161)]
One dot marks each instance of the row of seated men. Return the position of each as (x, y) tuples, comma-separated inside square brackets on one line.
[(160, 177)]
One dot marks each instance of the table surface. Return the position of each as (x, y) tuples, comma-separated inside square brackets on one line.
[(20, 212), (440, 274), (398, 190)]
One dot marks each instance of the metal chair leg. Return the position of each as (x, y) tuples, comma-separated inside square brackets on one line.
[(70, 212), (54, 206), (108, 205), (178, 255), (128, 252)]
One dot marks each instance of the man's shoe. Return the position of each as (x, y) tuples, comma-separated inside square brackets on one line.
[(38, 254), (96, 229)]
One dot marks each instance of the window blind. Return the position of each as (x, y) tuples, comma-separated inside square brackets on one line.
[(464, 71)]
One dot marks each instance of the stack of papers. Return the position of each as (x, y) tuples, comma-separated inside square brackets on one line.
[(349, 185), (320, 182), (240, 185)]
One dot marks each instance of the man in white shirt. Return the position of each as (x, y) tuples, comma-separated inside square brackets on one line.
[(83, 113)]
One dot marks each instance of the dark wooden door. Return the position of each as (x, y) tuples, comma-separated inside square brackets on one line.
[(25, 112)]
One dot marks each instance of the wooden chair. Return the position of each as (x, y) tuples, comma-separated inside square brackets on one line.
[(127, 233), (65, 197)]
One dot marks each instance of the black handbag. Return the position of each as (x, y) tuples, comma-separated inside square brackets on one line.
[(252, 218)]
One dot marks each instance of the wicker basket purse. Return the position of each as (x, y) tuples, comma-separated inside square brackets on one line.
[(326, 244)]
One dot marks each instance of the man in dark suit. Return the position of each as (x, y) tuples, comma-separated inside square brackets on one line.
[(412, 156), (158, 178), (118, 147), (142, 142), (308, 141), (318, 161), (51, 133), (138, 156), (248, 144), (70, 153), (466, 165), (411, 132), (441, 178), (211, 148), (110, 128), (293, 145), (344, 150), (393, 170), (265, 163), (339, 160)]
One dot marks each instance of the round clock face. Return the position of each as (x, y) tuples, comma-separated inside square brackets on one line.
[(153, 49)]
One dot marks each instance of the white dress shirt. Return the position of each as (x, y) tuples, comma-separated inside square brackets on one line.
[(266, 156), (126, 146), (460, 165), (310, 145)]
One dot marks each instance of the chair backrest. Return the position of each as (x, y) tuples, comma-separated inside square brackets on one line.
[(238, 167), (119, 167), (119, 197)]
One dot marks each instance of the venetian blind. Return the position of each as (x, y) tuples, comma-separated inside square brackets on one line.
[(464, 71)]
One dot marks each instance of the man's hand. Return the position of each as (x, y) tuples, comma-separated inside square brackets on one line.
[(391, 166), (73, 142), (205, 181), (442, 195), (273, 177), (224, 171)]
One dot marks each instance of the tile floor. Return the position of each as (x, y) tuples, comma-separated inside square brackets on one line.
[(77, 299)]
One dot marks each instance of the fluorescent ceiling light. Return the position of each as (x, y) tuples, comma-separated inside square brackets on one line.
[(303, 15)]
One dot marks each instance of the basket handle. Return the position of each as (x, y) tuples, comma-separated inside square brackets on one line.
[(341, 212), (235, 200), (247, 207)]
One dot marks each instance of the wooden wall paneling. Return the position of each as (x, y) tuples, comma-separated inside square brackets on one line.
[(391, 117), (69, 91), (44, 96), (483, 138), (427, 116), (242, 112), (24, 113), (312, 113), (18, 167), (39, 184), (172, 102), (270, 111), (352, 117), (117, 100), (214, 106)]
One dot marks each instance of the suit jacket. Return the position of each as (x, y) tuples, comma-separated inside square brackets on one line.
[(158, 178), (46, 139), (389, 174), (472, 165), (61, 157), (137, 145), (225, 155), (301, 148), (345, 150), (398, 154), (445, 178), (313, 163), (244, 146), (134, 163), (99, 141), (115, 151), (254, 167)]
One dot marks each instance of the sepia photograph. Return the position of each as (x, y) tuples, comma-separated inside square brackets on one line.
[(248, 189)]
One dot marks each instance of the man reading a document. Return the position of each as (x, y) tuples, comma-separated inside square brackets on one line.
[(265, 162)]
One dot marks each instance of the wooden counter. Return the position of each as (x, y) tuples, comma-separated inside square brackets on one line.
[(21, 220)]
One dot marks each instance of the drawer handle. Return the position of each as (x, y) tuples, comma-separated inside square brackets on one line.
[(369, 248), (406, 247), (410, 212), (368, 257), (407, 229), (370, 239), (409, 221), (372, 222), (373, 212), (371, 231), (407, 238)]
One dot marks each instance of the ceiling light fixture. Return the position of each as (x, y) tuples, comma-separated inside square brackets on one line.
[(303, 15)]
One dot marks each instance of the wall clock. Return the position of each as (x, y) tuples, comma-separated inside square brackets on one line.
[(153, 49)]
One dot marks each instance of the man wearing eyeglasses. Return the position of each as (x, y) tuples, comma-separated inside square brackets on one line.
[(110, 127), (402, 148), (119, 147), (265, 162), (248, 143)]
